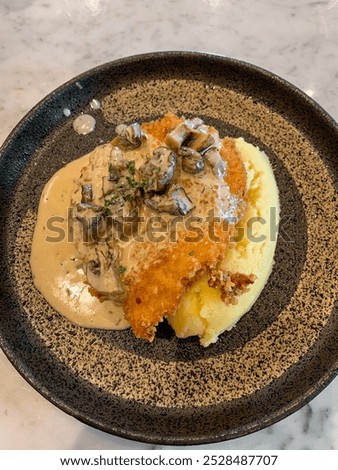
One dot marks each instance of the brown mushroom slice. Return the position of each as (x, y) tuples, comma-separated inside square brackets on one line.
[(116, 158), (190, 133), (199, 140), (175, 202), (117, 164), (159, 170), (194, 123), (219, 166), (93, 222), (130, 136), (192, 161), (175, 138), (103, 275), (87, 193), (126, 219)]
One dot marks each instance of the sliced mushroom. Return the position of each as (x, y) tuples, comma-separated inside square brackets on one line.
[(102, 274), (117, 164), (199, 140), (116, 158), (194, 123), (192, 161), (175, 138), (93, 222), (215, 160), (159, 170), (88, 208), (190, 133), (175, 202), (108, 186), (130, 136), (87, 193)]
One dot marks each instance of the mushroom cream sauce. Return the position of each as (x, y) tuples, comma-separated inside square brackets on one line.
[(80, 268)]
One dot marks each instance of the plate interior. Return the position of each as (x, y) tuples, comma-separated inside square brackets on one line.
[(171, 391)]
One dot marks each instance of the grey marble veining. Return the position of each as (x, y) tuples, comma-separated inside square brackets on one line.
[(43, 43)]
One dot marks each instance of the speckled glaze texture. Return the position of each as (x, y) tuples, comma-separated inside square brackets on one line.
[(282, 353)]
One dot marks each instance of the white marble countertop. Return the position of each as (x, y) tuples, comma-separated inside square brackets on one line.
[(43, 43)]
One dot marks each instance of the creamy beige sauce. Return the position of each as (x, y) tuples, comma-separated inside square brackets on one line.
[(57, 272)]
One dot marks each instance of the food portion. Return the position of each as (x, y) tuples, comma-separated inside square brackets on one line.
[(152, 223)]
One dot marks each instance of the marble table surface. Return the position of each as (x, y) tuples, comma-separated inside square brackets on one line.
[(43, 43)]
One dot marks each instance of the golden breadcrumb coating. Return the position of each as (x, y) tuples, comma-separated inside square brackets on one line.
[(155, 290)]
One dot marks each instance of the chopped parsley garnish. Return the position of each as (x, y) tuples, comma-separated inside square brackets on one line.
[(132, 182), (112, 200), (122, 269), (126, 186), (128, 197), (144, 184), (131, 167)]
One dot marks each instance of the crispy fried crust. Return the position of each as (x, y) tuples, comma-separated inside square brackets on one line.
[(231, 285), (156, 291), (236, 174), (160, 128)]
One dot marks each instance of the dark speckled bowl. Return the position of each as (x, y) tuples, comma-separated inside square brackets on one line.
[(280, 355)]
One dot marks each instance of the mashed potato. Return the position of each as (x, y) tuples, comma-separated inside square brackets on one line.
[(202, 312)]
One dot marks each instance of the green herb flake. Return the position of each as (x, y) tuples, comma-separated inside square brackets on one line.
[(122, 269), (131, 167), (131, 181), (144, 184), (128, 197), (191, 253), (112, 200)]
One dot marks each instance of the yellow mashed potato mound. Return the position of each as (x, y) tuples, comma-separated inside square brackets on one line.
[(202, 312)]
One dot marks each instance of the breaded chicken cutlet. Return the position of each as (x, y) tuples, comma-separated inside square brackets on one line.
[(155, 290)]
